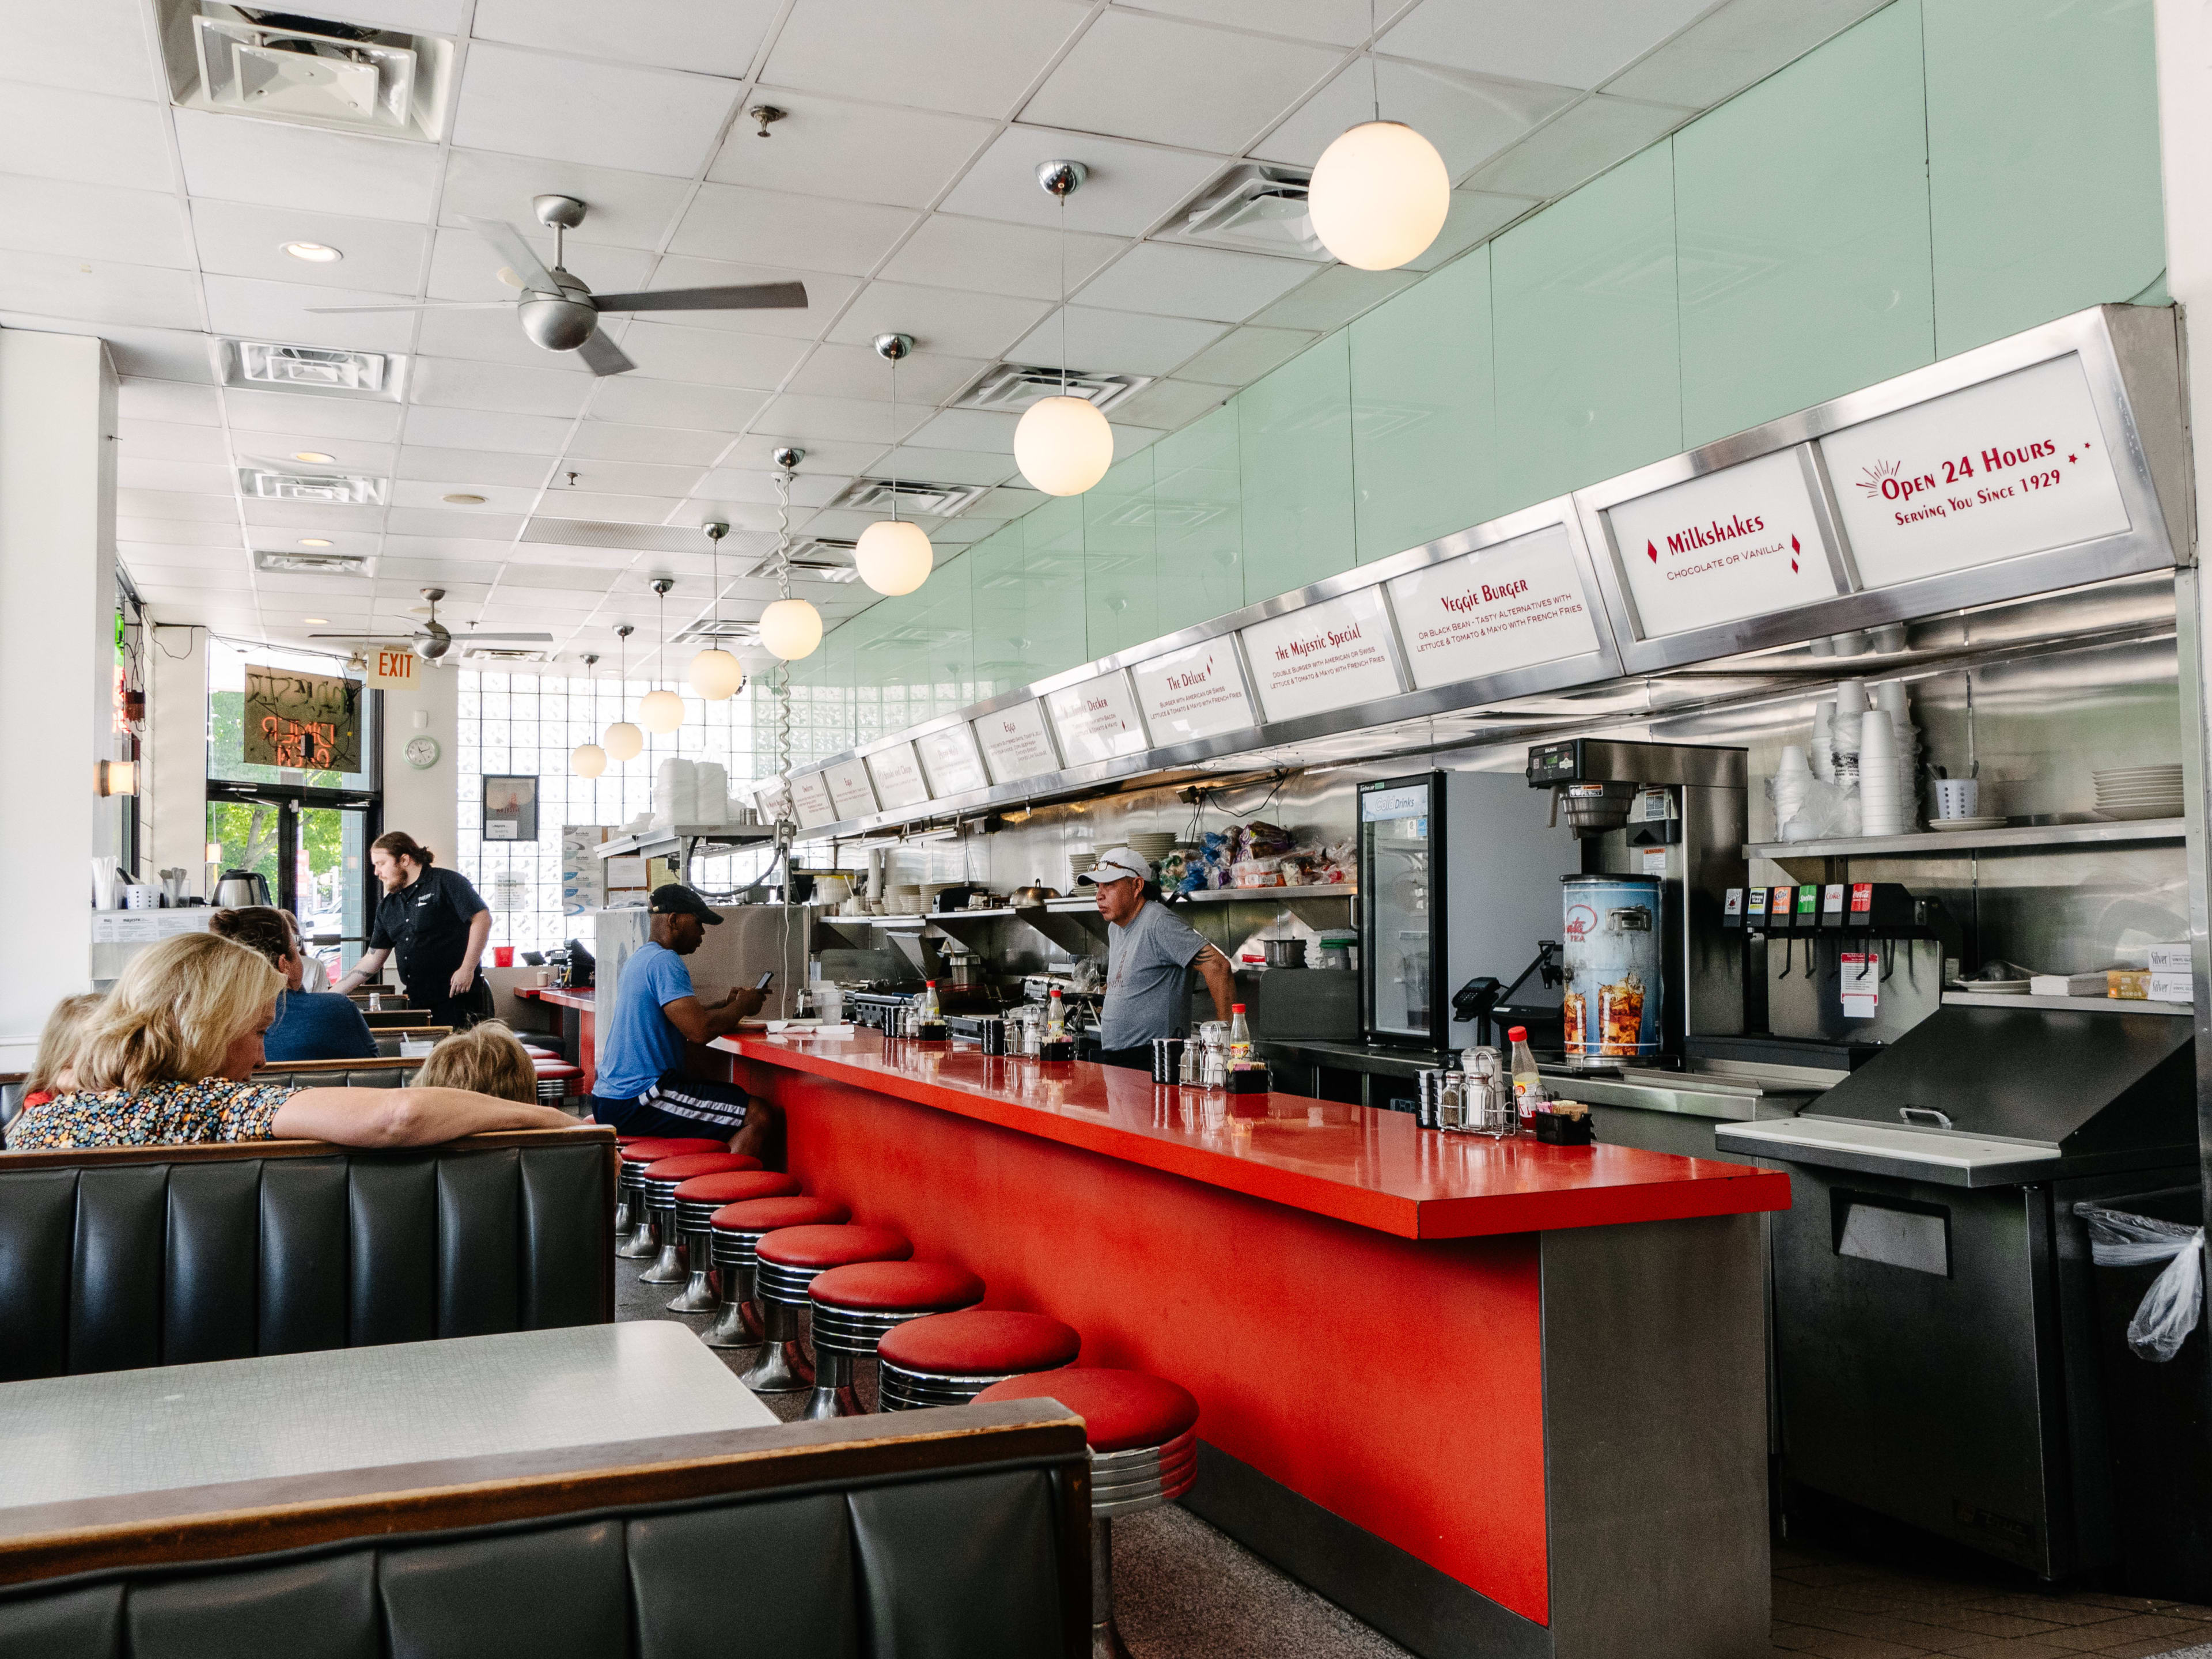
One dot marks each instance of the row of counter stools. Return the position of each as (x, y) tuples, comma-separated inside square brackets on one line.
[(696, 1209)]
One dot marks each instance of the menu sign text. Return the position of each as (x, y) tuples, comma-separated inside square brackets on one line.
[(955, 763), (1737, 542), (850, 792), (1509, 607), (2015, 466), (1096, 720), (1324, 657), (1197, 692), (810, 799), (897, 775), (1016, 743)]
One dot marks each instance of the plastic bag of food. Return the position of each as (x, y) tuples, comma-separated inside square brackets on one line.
[(2168, 1310)]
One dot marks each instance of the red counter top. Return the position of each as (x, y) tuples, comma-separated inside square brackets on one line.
[(558, 997), (1371, 1168)]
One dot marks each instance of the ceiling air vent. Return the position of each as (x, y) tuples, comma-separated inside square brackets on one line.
[(1013, 386), (629, 538), (1255, 206), (938, 501), (320, 370), (816, 559), (503, 653), (289, 563), (317, 72), (726, 630), (259, 480)]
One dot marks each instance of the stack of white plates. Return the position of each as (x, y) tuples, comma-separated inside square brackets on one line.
[(1153, 844), (2139, 792), (1081, 864)]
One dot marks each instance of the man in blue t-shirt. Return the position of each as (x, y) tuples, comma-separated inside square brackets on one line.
[(308, 1026), (651, 1013)]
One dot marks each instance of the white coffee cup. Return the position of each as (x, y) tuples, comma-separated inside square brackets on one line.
[(1956, 798)]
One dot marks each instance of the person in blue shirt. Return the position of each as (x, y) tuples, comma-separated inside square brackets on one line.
[(308, 1026), (644, 1022)]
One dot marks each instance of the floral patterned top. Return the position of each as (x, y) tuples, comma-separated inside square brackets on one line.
[(159, 1115)]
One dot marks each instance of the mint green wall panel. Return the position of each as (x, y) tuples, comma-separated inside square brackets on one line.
[(2043, 161), (1052, 575), (1423, 414), (1801, 218), (1121, 562), (996, 590), (1294, 442), (1584, 312), (1197, 524)]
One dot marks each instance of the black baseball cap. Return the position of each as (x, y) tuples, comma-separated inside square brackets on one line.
[(675, 899)]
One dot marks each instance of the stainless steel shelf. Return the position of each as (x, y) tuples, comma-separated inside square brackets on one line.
[(1934, 843), (667, 840), (2079, 1005), (1271, 895)]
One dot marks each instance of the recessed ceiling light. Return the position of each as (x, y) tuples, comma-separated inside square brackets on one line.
[(314, 541), (319, 254), (465, 500), (313, 455), (319, 621)]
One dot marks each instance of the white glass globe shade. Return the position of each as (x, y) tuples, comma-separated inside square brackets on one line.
[(624, 740), (661, 711), (791, 629), (715, 675), (1378, 196), (1063, 444), (587, 760), (894, 556)]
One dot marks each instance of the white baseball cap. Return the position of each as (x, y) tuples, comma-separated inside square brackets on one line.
[(1120, 864)]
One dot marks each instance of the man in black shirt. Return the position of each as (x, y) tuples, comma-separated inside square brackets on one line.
[(436, 923)]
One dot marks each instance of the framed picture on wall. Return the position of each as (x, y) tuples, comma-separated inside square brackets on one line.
[(510, 808)]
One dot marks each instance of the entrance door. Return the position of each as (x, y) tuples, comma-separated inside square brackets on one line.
[(311, 846)]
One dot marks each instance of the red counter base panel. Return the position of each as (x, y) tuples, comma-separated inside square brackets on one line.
[(1499, 1443)]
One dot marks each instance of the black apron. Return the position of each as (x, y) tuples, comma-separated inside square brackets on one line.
[(426, 924)]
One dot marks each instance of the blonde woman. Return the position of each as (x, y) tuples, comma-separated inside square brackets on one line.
[(168, 1058), (486, 1060), (57, 1047)]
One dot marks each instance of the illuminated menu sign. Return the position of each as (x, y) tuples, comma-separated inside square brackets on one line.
[(896, 773), (1098, 721), (1738, 543), (1198, 692), (2017, 464), (850, 793), (1324, 657), (1509, 607), (955, 763), (810, 799), (1016, 743)]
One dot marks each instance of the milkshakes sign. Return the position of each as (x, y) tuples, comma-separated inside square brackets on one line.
[(1194, 693), (1509, 607), (2013, 465), (1096, 720), (1738, 543), (1016, 743), (1324, 657)]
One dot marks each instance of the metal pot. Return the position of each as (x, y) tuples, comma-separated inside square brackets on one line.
[(241, 887), (1033, 898), (1285, 952)]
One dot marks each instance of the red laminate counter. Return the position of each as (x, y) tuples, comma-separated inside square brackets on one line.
[(579, 1003), (1371, 1168), (558, 997)]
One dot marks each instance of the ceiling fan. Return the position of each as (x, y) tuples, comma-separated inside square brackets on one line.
[(559, 311), (433, 640)]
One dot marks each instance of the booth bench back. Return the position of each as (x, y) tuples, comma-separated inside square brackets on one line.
[(169, 1255)]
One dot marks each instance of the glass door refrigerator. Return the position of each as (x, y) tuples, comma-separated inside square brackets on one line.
[(1404, 952)]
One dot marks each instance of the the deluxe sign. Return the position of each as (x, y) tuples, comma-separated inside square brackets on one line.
[(1738, 543), (1509, 607), (1197, 692)]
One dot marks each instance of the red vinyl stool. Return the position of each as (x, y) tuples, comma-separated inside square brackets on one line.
[(554, 1077), (659, 1183), (696, 1200), (634, 1153), (1144, 1453), (948, 1359), (785, 1264), (738, 1229), (851, 1308)]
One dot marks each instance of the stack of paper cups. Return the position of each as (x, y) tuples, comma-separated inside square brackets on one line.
[(1791, 784), (1890, 698), (1851, 714), (1881, 807), (1823, 740)]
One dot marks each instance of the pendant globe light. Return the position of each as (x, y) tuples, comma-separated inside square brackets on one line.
[(789, 628), (1379, 194), (622, 740), (1063, 444), (894, 555), (716, 674), (661, 709), (588, 760)]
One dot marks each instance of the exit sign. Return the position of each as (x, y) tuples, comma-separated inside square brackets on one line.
[(392, 668)]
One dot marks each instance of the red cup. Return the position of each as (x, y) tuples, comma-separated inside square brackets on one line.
[(502, 956)]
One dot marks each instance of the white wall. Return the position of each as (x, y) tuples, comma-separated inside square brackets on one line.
[(423, 803), (173, 790), (57, 665)]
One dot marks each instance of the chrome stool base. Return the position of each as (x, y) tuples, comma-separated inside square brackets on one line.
[(834, 1393), (622, 1213), (697, 1296), (783, 1367), (640, 1241), (1105, 1640), (1122, 1482), (737, 1326), (668, 1267)]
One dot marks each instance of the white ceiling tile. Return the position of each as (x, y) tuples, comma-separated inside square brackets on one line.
[(951, 252), (1243, 357), (51, 42), (925, 377), (848, 420), (481, 466), (323, 417), (606, 508), (425, 548), (91, 222), (716, 356), (1468, 118), (1116, 341), (1725, 51), (54, 132), (463, 267), (1175, 280), (166, 440), (620, 209), (1131, 187), (939, 318), (856, 152), (168, 400), (526, 103), (957, 467), (453, 522), (1333, 299), (1568, 43), (165, 504), (281, 164), (1338, 23), (826, 293), (455, 575), (710, 37), (1132, 439), (612, 441), (490, 337), (252, 309), (623, 477), (176, 582), (636, 400), (1170, 82), (976, 61), (317, 517), (186, 478), (153, 354), (571, 578), (1577, 147), (241, 240), (449, 383), (472, 428), (610, 559), (732, 484), (826, 454), (988, 429), (1172, 403), (729, 221), (184, 533), (430, 493)]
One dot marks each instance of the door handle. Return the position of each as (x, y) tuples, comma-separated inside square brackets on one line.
[(1924, 1117)]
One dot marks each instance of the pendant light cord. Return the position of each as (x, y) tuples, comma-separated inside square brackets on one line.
[(1063, 288), (1374, 76), (895, 440), (779, 679)]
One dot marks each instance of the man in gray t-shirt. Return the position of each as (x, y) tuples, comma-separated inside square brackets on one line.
[(1149, 956)]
